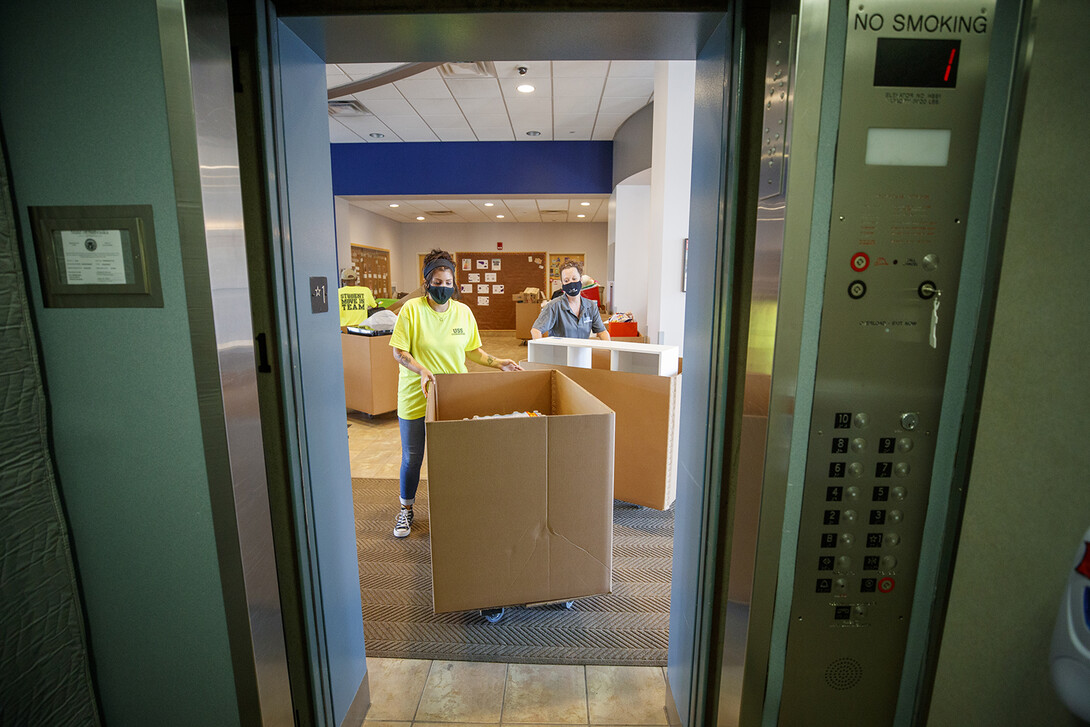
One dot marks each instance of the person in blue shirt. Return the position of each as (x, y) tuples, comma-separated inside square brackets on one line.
[(571, 315)]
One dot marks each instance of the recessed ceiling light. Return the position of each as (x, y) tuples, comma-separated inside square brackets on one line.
[(420, 218), (499, 217), (376, 135), (489, 204), (533, 133), (584, 204), (395, 205), (580, 215), (525, 88)]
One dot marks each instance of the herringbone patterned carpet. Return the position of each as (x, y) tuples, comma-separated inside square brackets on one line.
[(627, 628)]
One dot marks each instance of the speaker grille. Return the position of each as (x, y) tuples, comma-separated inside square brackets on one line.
[(844, 673)]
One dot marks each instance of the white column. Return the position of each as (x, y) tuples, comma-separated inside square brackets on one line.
[(671, 180), (628, 230)]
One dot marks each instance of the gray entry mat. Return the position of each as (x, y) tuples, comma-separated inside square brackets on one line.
[(626, 628)]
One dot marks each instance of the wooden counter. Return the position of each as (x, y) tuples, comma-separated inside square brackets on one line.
[(370, 373)]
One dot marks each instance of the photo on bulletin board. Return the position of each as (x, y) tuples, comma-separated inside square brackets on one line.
[(496, 263), (489, 277), (482, 288), (466, 287), (482, 300), (497, 290), (467, 264), (474, 277), (482, 265)]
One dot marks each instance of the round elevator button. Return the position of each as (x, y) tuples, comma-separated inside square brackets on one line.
[(843, 563), (899, 493), (861, 420), (859, 444), (904, 444), (847, 539), (910, 420), (848, 515), (889, 562), (852, 493), (855, 469), (896, 516), (902, 469), (893, 539)]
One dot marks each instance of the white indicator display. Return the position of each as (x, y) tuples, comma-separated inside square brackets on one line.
[(908, 147)]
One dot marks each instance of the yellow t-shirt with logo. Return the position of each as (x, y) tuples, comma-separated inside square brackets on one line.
[(438, 341), (355, 300)]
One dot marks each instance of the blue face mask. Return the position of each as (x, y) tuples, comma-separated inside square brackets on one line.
[(573, 288), (440, 293)]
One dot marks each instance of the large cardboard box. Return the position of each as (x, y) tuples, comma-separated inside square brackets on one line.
[(525, 315), (648, 410), (521, 509), (370, 373)]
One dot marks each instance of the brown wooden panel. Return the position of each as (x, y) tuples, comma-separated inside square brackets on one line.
[(373, 267), (556, 259), (518, 271)]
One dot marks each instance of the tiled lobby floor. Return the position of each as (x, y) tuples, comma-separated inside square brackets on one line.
[(416, 692), (430, 693)]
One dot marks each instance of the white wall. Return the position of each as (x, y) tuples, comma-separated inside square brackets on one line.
[(671, 181), (550, 237), (357, 226), (630, 220)]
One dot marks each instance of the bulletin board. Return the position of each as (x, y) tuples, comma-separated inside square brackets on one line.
[(373, 266), (557, 259), (504, 274)]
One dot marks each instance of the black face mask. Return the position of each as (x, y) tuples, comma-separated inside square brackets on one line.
[(573, 288), (440, 293)]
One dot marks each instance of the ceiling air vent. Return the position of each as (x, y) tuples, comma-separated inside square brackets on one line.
[(343, 108), (440, 213), (480, 69)]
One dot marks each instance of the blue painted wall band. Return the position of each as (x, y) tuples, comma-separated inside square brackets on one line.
[(473, 167)]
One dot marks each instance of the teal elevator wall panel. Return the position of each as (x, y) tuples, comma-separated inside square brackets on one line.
[(1028, 500), (84, 119), (314, 253)]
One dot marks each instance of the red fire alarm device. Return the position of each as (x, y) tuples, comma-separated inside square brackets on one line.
[(499, 245)]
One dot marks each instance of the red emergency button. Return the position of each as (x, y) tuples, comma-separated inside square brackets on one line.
[(860, 261), (1083, 568), (886, 585)]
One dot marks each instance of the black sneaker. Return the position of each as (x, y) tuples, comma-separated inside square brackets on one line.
[(403, 523)]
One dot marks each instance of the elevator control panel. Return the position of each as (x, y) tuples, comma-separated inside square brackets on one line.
[(913, 86)]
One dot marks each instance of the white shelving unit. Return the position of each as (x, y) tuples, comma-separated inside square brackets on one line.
[(635, 358)]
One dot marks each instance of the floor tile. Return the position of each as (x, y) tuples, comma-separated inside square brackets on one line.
[(396, 686), (545, 693), (626, 695), (463, 691)]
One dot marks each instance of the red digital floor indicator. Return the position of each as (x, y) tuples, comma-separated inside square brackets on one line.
[(860, 261)]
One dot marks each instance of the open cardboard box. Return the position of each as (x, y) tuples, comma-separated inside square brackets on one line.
[(648, 410), (521, 509)]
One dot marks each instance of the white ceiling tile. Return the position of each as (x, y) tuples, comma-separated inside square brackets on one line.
[(534, 69), (423, 88), (632, 69), (494, 134), (574, 120), (603, 134), (578, 86), (430, 74), (332, 80), (405, 123), (522, 106), (625, 106), (341, 134), (474, 88), (518, 206), (390, 107), (629, 86), (575, 105), (365, 125), (489, 120), (436, 107), (382, 93), (578, 69), (455, 134), (481, 106), (359, 71), (511, 91), (444, 121)]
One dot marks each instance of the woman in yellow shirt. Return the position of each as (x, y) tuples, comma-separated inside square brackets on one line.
[(433, 335)]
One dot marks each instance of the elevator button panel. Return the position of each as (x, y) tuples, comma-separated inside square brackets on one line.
[(903, 173)]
